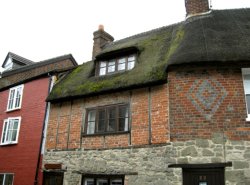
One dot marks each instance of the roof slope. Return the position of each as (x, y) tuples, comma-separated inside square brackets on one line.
[(35, 70), (18, 59), (222, 35)]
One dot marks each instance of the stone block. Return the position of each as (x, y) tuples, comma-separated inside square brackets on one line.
[(202, 143), (189, 151), (240, 165), (234, 176), (207, 152)]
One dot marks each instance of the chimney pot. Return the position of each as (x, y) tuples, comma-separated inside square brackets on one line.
[(101, 38), (101, 27)]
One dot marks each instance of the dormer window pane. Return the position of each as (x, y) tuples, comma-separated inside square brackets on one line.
[(111, 66), (121, 64), (131, 62), (102, 68), (103, 64), (116, 65)]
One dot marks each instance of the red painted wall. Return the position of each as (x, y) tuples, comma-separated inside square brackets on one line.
[(21, 159)]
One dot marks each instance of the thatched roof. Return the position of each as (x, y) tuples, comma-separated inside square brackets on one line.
[(220, 36)]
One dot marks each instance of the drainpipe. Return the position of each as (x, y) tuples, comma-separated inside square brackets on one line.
[(43, 135)]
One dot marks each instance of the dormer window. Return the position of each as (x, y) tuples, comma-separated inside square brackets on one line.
[(116, 65)]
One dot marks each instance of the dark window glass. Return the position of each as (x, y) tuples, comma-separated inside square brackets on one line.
[(51, 178), (108, 119), (103, 180)]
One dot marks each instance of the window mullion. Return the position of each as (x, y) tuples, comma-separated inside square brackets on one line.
[(117, 118), (4, 179), (106, 121), (116, 64), (96, 119), (126, 64), (7, 131), (107, 63)]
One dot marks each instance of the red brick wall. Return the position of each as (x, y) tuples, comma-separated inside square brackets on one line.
[(205, 100), (21, 159), (196, 6), (68, 118)]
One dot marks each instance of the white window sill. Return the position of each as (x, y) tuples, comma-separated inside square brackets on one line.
[(10, 110), (9, 143), (248, 118)]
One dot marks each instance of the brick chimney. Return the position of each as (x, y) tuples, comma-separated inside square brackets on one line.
[(194, 7), (101, 38)]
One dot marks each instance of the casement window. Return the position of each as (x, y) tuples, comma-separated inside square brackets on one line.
[(116, 65), (246, 82), (6, 178), (107, 119), (102, 180), (15, 98), (10, 131), (52, 178)]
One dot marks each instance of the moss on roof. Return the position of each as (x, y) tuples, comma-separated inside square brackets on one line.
[(154, 51), (223, 35)]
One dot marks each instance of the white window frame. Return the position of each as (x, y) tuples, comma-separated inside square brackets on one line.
[(7, 123), (5, 177), (14, 98), (246, 71)]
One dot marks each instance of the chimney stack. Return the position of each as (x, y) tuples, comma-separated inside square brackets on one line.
[(101, 38), (194, 7)]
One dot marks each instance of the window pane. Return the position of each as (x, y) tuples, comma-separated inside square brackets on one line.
[(102, 64), (111, 125), (111, 112), (248, 103), (91, 122), (91, 115), (123, 124), (101, 126), (101, 114), (1, 179), (111, 69), (247, 84), (102, 71), (131, 65), (116, 182), (131, 58), (89, 182), (121, 64), (123, 111), (123, 118), (8, 179), (11, 99), (111, 66), (4, 131), (102, 182), (18, 97)]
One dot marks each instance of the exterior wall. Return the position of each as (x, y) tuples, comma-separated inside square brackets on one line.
[(21, 158), (207, 100), (205, 110), (67, 121), (149, 165)]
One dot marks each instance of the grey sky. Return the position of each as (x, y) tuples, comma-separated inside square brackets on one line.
[(43, 29)]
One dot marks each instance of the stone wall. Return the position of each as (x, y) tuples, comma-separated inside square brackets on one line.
[(149, 165)]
